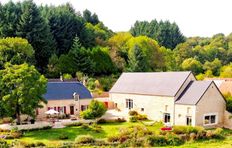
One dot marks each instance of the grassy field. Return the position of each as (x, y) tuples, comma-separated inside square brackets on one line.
[(51, 137)]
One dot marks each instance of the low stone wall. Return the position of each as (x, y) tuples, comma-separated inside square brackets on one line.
[(228, 120)]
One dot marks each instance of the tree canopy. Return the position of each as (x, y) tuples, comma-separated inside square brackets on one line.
[(21, 90)]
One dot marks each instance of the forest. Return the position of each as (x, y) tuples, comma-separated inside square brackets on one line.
[(59, 40)]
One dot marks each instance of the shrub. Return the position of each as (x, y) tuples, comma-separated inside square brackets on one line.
[(84, 139), (67, 76), (68, 124), (7, 120), (96, 128), (100, 142), (101, 121), (113, 138), (133, 113), (3, 144), (209, 134), (156, 140), (95, 110), (63, 137), (85, 126), (39, 144), (218, 133), (192, 136), (187, 129), (120, 120), (174, 140), (133, 119), (141, 117), (66, 145), (29, 145)]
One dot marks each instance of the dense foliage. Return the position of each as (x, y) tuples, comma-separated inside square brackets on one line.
[(95, 110), (21, 90), (61, 40)]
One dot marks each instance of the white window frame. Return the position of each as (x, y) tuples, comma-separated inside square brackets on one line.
[(191, 120), (210, 114), (129, 102), (169, 118)]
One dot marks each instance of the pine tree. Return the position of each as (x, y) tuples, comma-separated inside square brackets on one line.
[(65, 24), (36, 30), (9, 17), (81, 57)]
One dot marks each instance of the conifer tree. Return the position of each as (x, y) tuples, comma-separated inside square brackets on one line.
[(36, 30)]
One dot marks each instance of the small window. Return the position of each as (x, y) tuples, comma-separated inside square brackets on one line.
[(84, 107), (167, 118), (142, 109), (129, 103), (189, 120), (210, 119)]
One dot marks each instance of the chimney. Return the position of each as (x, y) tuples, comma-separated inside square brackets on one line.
[(61, 77)]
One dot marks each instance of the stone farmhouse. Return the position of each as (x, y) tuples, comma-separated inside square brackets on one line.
[(65, 97), (175, 98)]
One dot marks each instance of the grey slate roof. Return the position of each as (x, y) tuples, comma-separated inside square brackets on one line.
[(193, 92), (65, 90), (150, 83)]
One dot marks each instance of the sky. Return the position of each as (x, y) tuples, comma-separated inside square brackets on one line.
[(194, 17)]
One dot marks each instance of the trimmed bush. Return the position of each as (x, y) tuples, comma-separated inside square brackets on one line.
[(133, 113), (133, 119), (113, 138), (141, 117), (101, 121), (96, 128), (218, 133), (63, 137), (174, 140), (187, 129), (156, 140), (68, 124), (66, 144), (7, 120), (84, 139), (85, 126)]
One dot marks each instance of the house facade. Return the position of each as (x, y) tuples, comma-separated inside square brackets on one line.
[(66, 98), (175, 98)]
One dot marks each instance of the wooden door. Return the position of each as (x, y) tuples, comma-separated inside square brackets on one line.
[(71, 110)]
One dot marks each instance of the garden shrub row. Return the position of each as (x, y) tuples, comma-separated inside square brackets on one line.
[(135, 116)]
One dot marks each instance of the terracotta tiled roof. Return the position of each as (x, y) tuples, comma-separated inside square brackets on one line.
[(226, 87)]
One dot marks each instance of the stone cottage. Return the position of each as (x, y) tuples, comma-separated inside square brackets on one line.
[(176, 98), (66, 98)]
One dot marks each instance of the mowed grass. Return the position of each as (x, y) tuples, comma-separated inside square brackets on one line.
[(51, 136)]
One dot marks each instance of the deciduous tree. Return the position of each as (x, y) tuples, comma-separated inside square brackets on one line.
[(21, 89)]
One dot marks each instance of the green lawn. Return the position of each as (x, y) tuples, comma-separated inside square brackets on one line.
[(51, 137)]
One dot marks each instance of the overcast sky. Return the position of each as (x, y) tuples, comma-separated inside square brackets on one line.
[(194, 17)]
